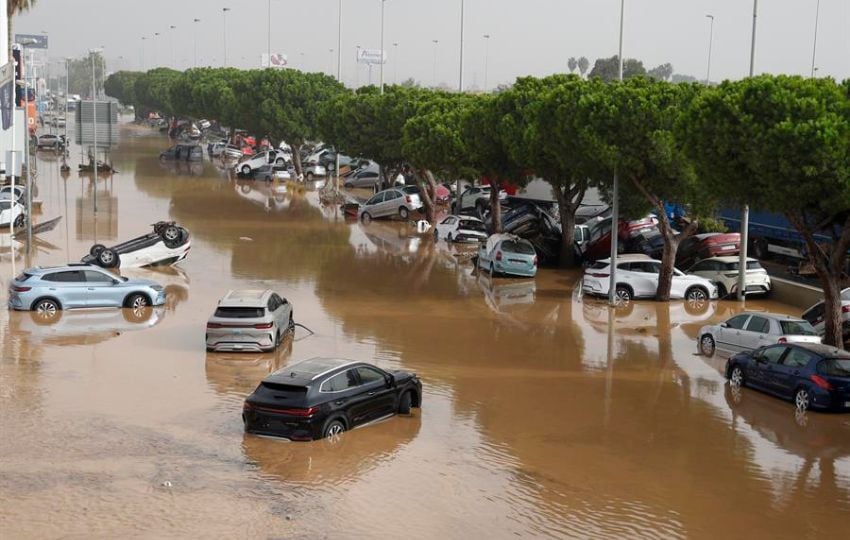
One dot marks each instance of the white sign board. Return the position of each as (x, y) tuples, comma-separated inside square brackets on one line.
[(275, 60), (13, 162), (371, 56)]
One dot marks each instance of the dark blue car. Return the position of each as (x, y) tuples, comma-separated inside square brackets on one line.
[(812, 375)]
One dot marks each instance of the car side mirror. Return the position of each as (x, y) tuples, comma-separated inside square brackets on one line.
[(724, 325), (115, 282), (390, 378)]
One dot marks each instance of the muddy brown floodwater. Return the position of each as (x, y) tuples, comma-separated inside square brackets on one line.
[(537, 421)]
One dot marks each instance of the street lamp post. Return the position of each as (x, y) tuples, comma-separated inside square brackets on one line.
[(486, 58), (269, 33), (224, 17), (383, 2), (395, 63), (143, 53), (615, 194), (745, 214), (155, 46), (171, 45), (460, 77), (338, 77), (815, 42), (435, 42), (357, 67), (94, 130), (710, 39), (331, 70), (195, 42)]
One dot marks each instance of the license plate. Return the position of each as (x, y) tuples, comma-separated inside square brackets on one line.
[(728, 246), (237, 332)]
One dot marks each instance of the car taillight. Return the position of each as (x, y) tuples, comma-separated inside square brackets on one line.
[(599, 275), (214, 325), (845, 309), (17, 288), (783, 339), (310, 411), (731, 274), (498, 255), (264, 326), (821, 382), (408, 199), (247, 407), (534, 261)]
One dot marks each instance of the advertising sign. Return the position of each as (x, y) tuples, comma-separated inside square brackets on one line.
[(32, 41), (371, 56), (7, 94)]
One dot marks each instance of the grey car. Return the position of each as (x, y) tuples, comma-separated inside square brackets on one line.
[(367, 178), (249, 321), (47, 290), (400, 201)]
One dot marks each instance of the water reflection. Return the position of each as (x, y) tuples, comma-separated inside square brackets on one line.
[(81, 327), (238, 374)]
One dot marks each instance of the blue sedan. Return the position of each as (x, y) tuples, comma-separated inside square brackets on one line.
[(47, 290), (812, 375), (509, 255)]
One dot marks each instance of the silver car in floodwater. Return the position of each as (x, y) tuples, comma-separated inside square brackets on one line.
[(249, 321), (400, 201)]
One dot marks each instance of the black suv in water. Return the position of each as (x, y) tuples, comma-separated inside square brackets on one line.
[(323, 397)]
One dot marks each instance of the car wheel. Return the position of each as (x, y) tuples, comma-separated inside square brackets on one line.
[(107, 258), (137, 301), (137, 315), (96, 249), (802, 399), (46, 309), (696, 295), (622, 294), (403, 213), (246, 170), (171, 236), (290, 327), (279, 162), (19, 221), (707, 345), (405, 403), (366, 217), (348, 185), (758, 246), (333, 430), (736, 378)]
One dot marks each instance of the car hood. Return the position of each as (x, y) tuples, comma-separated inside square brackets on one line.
[(402, 376), (138, 282)]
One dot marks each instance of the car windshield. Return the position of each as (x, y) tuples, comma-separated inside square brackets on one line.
[(837, 367), (797, 328), (512, 246), (472, 225), (239, 312)]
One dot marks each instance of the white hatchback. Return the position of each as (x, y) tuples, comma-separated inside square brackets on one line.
[(637, 277), (749, 331), (461, 229), (723, 271)]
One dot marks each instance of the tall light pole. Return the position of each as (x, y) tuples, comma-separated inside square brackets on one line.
[(815, 42), (395, 63), (94, 131), (383, 2), (331, 70), (357, 67), (615, 194), (142, 66), (171, 45), (195, 42), (269, 34), (338, 76), (710, 39), (155, 47), (224, 18), (745, 213), (486, 58), (435, 42), (460, 77)]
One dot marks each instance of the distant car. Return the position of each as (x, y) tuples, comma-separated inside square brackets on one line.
[(366, 178), (183, 152), (58, 122), (442, 194), (266, 157), (18, 193), (509, 255), (598, 246), (723, 271), (391, 202), (815, 315), (475, 199), (249, 321), (51, 142), (592, 213), (461, 229), (324, 397), (232, 151), (705, 246), (216, 149), (12, 213), (637, 277), (813, 376), (168, 244), (749, 331), (312, 170), (46, 290)]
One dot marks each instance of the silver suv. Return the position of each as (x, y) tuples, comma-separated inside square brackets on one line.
[(400, 201), (249, 320)]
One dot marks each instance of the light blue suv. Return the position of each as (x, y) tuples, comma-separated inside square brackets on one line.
[(47, 290)]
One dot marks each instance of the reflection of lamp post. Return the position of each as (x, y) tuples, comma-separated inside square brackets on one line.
[(224, 17), (94, 132)]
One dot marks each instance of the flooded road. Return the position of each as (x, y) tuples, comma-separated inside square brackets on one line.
[(537, 420)]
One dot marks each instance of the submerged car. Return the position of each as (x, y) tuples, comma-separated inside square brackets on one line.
[(168, 244), (266, 157), (400, 201), (637, 277), (508, 255), (324, 397), (813, 376), (183, 152), (51, 142), (816, 315), (272, 172), (706, 246), (249, 321), (46, 290), (749, 331), (461, 229)]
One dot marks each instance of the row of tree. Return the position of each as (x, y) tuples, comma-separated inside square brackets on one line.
[(779, 143)]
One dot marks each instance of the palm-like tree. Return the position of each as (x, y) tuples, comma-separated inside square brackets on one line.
[(16, 7)]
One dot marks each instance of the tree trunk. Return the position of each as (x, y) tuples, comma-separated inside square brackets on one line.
[(427, 186), (495, 207), (569, 199), (296, 160), (668, 256)]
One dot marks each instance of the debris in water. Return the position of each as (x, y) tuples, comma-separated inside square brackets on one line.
[(246, 238)]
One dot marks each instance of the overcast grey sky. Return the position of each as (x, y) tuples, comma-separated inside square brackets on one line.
[(533, 37)]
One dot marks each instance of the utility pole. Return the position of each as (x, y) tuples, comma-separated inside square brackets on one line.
[(745, 214), (615, 196), (710, 39), (460, 78)]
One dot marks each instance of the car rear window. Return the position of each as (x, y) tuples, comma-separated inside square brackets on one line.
[(472, 225), (240, 312), (512, 246), (837, 367), (290, 389), (797, 328), (751, 265), (23, 277)]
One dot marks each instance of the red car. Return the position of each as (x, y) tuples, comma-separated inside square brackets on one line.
[(599, 243), (707, 245)]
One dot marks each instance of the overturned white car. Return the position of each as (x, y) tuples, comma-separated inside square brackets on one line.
[(168, 244)]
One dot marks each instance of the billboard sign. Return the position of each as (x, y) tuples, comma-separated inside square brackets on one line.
[(371, 56), (7, 94), (32, 41), (274, 60)]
